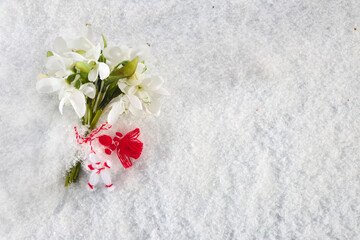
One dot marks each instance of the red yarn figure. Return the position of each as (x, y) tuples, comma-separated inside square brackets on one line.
[(127, 147)]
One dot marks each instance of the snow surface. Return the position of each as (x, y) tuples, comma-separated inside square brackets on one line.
[(259, 139)]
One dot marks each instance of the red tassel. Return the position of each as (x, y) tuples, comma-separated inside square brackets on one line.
[(129, 147)]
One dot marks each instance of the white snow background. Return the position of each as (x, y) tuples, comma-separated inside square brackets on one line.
[(258, 140)]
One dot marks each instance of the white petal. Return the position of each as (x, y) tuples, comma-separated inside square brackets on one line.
[(88, 89), (135, 101), (131, 90), (80, 44), (140, 68), (55, 63), (112, 53), (162, 91), (75, 56), (142, 51), (122, 86), (115, 112), (97, 51), (93, 74), (146, 82), (136, 112), (156, 83), (134, 80), (104, 70), (154, 106), (41, 76), (89, 34), (60, 45), (143, 95), (77, 100), (61, 105), (49, 85)]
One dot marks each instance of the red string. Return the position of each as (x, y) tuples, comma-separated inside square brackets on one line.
[(91, 137)]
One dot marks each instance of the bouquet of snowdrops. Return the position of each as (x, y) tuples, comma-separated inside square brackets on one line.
[(95, 79)]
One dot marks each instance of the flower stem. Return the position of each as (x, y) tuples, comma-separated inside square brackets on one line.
[(73, 172), (95, 119), (91, 119)]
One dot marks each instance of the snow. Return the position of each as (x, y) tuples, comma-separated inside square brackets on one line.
[(258, 140)]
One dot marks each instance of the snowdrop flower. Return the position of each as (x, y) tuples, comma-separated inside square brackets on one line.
[(124, 104), (146, 88), (115, 55), (83, 50), (58, 66), (68, 93), (100, 69), (75, 97)]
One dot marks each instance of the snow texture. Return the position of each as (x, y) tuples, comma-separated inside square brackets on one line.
[(259, 139)]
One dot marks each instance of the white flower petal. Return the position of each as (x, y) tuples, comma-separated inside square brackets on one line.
[(134, 80), (141, 51), (80, 44), (144, 96), (135, 101), (61, 104), (104, 70), (97, 51), (131, 90), (140, 68), (89, 34), (162, 91), (146, 82), (94, 52), (49, 85), (156, 83), (55, 63), (136, 112), (116, 110), (75, 56), (112, 53), (154, 106), (93, 74), (88, 89), (122, 86), (77, 100), (60, 45)]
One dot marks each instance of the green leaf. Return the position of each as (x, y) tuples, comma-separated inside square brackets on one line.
[(105, 43), (77, 84), (83, 67), (83, 77), (112, 93), (70, 78), (122, 63), (49, 54), (102, 59), (126, 71)]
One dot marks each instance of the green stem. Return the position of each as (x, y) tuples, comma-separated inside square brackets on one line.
[(88, 115), (99, 97), (95, 119), (73, 170), (77, 171), (91, 119), (67, 179)]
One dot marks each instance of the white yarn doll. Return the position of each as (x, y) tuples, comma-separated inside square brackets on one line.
[(99, 165), (99, 169)]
